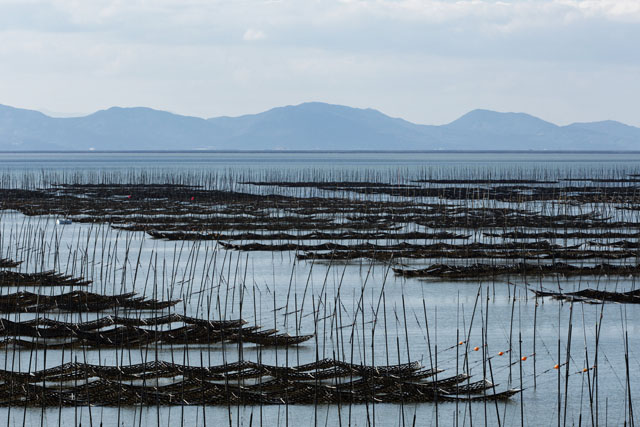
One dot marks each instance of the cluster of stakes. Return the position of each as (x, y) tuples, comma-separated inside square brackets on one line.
[(115, 331), (240, 383), (164, 383), (461, 229)]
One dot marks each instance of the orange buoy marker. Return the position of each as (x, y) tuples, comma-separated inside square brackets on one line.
[(500, 353), (556, 366), (585, 370), (476, 348), (461, 342), (524, 358)]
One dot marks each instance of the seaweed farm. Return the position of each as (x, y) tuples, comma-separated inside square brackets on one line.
[(349, 289)]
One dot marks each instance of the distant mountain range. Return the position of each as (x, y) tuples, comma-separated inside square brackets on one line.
[(308, 126)]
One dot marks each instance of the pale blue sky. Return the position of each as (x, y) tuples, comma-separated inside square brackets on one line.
[(428, 61)]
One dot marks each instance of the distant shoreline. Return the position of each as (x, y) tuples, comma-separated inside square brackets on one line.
[(321, 151)]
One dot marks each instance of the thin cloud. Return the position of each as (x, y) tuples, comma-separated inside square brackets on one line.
[(425, 60), (253, 35)]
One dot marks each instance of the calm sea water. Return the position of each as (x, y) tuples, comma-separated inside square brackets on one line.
[(328, 160), (277, 283)]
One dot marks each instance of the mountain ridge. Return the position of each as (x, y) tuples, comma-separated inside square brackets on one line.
[(306, 126)]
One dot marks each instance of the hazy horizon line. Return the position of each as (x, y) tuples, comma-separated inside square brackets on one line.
[(323, 151)]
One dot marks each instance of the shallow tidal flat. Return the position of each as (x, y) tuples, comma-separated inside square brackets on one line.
[(443, 295)]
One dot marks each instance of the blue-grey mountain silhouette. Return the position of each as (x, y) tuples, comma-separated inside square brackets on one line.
[(308, 126)]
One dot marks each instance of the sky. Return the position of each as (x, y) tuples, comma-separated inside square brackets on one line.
[(427, 61)]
